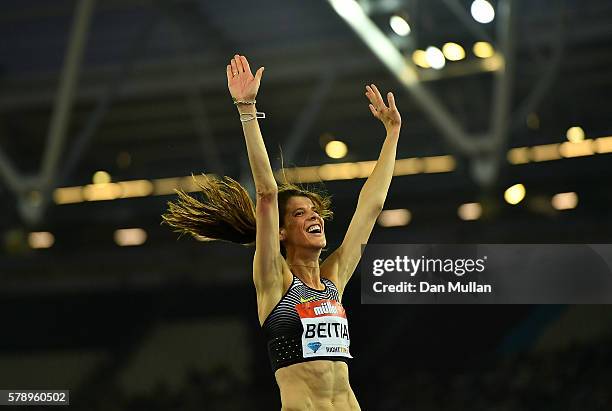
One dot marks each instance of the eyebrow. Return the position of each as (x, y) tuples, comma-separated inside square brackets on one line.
[(303, 208)]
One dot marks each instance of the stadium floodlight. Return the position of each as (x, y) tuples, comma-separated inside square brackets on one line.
[(375, 39), (399, 25), (515, 194), (482, 11), (336, 149), (453, 51), (435, 58)]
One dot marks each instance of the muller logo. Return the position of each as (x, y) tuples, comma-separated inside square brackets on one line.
[(325, 308)]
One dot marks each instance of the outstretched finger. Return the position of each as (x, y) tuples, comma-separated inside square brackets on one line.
[(391, 100), (378, 96), (234, 68), (258, 74), (373, 110), (245, 65), (239, 64), (370, 94), (376, 102), (229, 72)]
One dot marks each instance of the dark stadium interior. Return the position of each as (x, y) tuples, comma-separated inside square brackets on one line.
[(172, 323)]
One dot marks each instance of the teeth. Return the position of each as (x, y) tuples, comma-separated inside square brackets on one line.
[(314, 227)]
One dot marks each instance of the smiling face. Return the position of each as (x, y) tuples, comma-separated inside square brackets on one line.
[(302, 225)]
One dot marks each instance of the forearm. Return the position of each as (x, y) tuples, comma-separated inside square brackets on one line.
[(374, 191), (258, 156)]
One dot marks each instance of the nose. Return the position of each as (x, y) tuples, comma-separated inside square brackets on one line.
[(313, 216)]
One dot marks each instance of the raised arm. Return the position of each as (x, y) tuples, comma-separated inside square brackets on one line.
[(374, 192), (243, 86)]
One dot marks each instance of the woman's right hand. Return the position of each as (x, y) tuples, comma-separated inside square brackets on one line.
[(243, 86)]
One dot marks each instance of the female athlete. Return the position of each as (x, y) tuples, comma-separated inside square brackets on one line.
[(298, 298)]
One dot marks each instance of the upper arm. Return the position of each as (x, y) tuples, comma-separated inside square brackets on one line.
[(347, 256), (267, 263)]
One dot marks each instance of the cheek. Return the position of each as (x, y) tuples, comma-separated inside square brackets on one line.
[(296, 223), (293, 227)]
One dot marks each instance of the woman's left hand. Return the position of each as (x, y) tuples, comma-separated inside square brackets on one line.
[(389, 116)]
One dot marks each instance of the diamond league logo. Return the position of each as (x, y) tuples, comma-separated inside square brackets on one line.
[(314, 346)]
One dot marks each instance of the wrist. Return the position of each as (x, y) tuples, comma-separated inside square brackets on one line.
[(393, 131), (246, 108)]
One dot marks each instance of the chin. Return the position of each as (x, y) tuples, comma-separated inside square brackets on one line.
[(319, 244)]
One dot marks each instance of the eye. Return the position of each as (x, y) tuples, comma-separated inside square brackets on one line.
[(298, 213)]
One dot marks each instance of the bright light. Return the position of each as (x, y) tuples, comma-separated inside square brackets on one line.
[(577, 149), (399, 25), (336, 149), (470, 211), (298, 174), (130, 236), (545, 152), (68, 195), (518, 155), (482, 11), (164, 186), (434, 57), (438, 164), (453, 51), (419, 58), (407, 166), (101, 191), (565, 201), (604, 145), (41, 239), (377, 41), (515, 194), (394, 218), (136, 188), (348, 9), (343, 171), (101, 177), (575, 134), (483, 49), (363, 169)]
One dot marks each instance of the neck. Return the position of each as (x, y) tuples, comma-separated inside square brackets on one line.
[(306, 268)]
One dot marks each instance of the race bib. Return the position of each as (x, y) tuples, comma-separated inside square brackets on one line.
[(325, 329)]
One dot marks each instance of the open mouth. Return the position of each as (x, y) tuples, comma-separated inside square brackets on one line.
[(314, 229)]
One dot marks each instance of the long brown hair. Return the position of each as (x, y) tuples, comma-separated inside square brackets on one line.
[(226, 212)]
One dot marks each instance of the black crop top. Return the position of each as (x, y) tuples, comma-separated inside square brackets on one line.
[(306, 325)]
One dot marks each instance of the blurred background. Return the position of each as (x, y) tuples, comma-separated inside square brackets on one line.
[(107, 107)]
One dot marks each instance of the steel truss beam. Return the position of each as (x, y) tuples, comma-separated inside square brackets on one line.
[(31, 190), (405, 72), (484, 150)]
